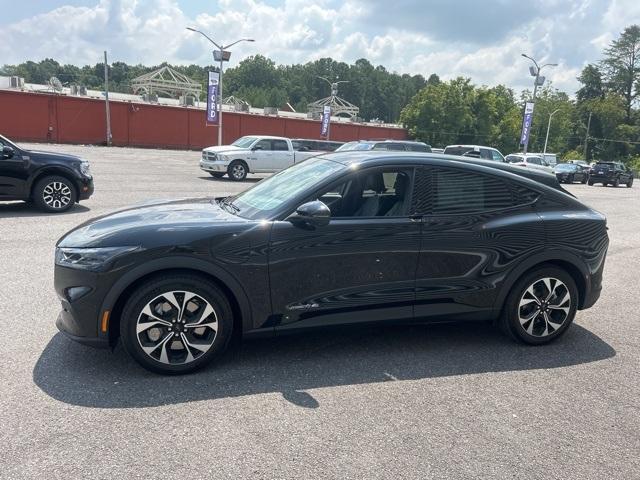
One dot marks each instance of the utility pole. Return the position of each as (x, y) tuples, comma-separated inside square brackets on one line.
[(586, 137), (539, 81), (106, 98), (546, 139), (220, 97)]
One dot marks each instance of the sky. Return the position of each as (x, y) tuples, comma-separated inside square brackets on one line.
[(480, 39)]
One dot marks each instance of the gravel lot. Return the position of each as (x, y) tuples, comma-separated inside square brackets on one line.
[(449, 401)]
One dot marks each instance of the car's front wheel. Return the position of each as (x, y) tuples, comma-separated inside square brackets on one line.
[(54, 194), (176, 324), (616, 183), (630, 183), (237, 170), (590, 182), (541, 306)]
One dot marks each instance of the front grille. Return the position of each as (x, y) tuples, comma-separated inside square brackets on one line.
[(209, 156)]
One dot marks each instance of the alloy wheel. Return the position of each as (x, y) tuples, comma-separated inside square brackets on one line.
[(56, 195), (238, 171), (544, 307), (177, 327)]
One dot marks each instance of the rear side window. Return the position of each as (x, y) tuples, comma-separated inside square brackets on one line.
[(416, 147), (280, 145), (445, 191), (456, 150)]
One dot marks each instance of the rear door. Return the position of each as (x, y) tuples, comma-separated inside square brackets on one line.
[(476, 228)]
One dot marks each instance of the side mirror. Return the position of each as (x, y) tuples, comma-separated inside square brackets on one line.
[(314, 213), (7, 152), (256, 147)]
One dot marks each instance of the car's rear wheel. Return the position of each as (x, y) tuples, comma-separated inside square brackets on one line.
[(630, 183), (54, 194), (238, 170), (590, 182), (176, 324), (541, 306), (217, 174)]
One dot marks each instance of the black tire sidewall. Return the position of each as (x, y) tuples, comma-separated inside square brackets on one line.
[(217, 174), (510, 320), (38, 190), (148, 291), (230, 170)]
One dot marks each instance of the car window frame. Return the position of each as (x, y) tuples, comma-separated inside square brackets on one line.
[(314, 196)]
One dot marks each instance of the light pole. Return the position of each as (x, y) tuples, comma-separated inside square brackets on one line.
[(548, 127), (221, 55), (538, 82)]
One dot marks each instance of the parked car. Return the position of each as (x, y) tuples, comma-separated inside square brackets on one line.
[(394, 145), (550, 158), (54, 182), (344, 238), (251, 154), (307, 145), (580, 162), (437, 150), (611, 173), (475, 151), (529, 160), (572, 172)]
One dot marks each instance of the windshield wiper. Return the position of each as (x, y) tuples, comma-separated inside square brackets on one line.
[(229, 203)]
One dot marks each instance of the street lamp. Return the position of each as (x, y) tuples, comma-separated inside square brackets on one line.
[(221, 55), (538, 82), (548, 127)]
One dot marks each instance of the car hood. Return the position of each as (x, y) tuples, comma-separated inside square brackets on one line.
[(61, 157), (153, 224), (225, 148)]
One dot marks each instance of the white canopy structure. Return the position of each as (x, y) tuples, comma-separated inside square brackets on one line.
[(167, 81), (339, 106)]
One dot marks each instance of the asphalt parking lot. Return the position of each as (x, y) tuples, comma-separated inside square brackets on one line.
[(447, 401)]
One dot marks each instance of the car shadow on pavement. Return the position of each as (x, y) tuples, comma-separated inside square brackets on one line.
[(295, 364), (23, 209), (228, 180)]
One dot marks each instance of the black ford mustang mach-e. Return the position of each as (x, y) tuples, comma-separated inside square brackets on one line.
[(345, 238)]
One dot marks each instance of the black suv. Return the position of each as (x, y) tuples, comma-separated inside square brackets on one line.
[(343, 238), (611, 173), (53, 181)]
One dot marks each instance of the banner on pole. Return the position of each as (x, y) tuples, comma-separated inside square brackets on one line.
[(526, 123), (326, 119), (212, 98)]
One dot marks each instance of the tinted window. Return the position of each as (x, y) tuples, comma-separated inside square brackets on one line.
[(486, 153), (459, 191), (456, 150), (280, 145), (534, 160), (514, 158), (417, 147), (496, 156), (263, 145)]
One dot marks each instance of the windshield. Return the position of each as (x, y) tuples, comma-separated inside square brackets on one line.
[(272, 193), (351, 146), (6, 142), (244, 142), (565, 167)]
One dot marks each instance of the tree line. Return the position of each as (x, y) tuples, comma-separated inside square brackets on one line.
[(437, 112)]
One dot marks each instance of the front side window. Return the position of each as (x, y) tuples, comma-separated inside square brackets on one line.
[(496, 156), (370, 193), (534, 160), (263, 145), (486, 154), (273, 193)]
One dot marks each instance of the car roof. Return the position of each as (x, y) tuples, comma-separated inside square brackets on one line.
[(369, 158), (470, 146)]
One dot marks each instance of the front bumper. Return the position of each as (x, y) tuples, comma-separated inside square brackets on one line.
[(214, 166), (86, 188), (79, 318)]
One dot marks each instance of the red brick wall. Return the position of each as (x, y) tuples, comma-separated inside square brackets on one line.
[(41, 117)]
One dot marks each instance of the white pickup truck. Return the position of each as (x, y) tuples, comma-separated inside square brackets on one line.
[(251, 154)]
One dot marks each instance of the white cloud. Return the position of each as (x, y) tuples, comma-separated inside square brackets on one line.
[(407, 36)]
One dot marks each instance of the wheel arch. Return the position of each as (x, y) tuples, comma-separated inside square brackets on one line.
[(243, 161), (564, 260), (53, 170), (122, 290)]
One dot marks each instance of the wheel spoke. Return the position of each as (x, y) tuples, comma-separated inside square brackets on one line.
[(141, 327)]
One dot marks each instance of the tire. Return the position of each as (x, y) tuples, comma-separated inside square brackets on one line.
[(630, 183), (590, 183), (584, 180), (174, 347), (616, 182), (572, 179), (237, 170), (54, 194), (217, 174), (545, 325)]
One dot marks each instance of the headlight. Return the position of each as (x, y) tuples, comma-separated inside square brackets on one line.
[(84, 169), (94, 259)]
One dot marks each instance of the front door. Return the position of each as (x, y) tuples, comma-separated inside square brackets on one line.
[(261, 158), (358, 268), (14, 173)]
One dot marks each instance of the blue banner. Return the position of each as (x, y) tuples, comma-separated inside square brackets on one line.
[(526, 123), (212, 98), (326, 120)]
